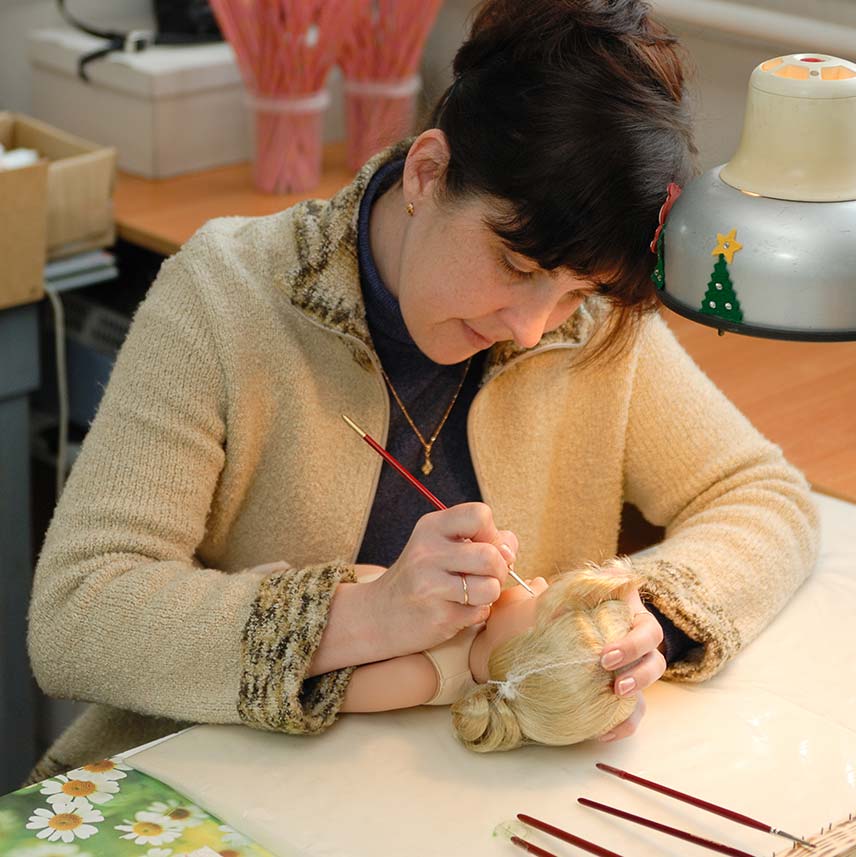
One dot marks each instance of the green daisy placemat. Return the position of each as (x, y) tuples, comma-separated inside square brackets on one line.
[(108, 809)]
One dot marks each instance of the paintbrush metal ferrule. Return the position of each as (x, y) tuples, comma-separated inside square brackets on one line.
[(793, 838)]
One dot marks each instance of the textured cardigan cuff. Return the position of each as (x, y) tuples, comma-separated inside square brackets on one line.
[(280, 638), (679, 595)]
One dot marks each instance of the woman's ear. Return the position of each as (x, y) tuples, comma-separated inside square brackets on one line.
[(425, 166)]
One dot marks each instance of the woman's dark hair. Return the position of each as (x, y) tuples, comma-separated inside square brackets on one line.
[(573, 114)]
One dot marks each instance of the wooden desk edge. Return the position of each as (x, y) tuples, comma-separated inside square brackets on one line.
[(829, 492), (144, 239)]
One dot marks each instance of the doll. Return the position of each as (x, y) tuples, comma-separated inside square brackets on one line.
[(530, 674)]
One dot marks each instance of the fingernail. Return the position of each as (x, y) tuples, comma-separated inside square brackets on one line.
[(507, 553), (626, 685), (611, 659), (610, 736)]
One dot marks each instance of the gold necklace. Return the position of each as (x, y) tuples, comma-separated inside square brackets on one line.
[(427, 467)]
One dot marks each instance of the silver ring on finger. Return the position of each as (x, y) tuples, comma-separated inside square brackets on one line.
[(466, 590)]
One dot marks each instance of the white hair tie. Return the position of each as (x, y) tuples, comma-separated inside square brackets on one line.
[(507, 687)]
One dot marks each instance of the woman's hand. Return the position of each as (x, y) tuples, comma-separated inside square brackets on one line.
[(637, 659), (451, 570)]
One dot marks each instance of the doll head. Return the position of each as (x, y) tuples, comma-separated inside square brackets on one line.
[(546, 683)]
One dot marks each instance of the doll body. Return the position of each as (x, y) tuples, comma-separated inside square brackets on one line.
[(446, 673)]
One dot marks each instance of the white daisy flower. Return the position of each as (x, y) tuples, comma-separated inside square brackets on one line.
[(105, 769), (182, 814), (55, 849), (232, 837), (149, 828), (159, 852), (65, 821), (64, 789)]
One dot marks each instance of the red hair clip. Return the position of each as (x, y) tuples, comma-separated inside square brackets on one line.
[(673, 192)]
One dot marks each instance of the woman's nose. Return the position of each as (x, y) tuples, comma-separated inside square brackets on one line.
[(527, 325)]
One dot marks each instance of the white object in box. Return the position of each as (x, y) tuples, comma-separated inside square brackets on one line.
[(168, 110)]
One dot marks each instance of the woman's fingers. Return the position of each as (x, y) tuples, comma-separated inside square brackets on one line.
[(644, 636), (466, 521), (449, 572), (640, 675), (473, 590), (473, 543), (474, 558), (628, 727), (507, 544)]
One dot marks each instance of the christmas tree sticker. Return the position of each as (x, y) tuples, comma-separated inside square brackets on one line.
[(720, 299)]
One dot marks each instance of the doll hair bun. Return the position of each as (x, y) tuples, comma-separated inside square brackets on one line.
[(547, 685)]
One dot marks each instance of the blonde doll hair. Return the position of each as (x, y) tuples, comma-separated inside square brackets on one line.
[(547, 685)]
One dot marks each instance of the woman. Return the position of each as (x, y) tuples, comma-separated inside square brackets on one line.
[(486, 285)]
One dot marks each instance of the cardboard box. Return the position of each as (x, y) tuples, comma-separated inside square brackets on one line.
[(61, 206), (23, 225), (168, 109), (81, 177)]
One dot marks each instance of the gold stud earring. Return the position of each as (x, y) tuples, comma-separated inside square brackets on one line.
[(410, 208)]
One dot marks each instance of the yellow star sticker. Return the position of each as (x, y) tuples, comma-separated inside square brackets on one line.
[(728, 246)]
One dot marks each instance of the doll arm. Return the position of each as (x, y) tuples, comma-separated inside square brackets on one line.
[(401, 682)]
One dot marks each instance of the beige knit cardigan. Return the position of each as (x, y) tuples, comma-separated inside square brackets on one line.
[(219, 499)]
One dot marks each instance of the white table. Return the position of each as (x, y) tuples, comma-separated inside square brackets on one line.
[(772, 736)]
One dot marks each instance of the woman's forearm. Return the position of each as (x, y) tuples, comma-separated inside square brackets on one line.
[(353, 635)]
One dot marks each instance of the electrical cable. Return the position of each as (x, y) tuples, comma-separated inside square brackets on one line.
[(61, 386)]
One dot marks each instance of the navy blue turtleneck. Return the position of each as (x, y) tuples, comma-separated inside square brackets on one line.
[(425, 388)]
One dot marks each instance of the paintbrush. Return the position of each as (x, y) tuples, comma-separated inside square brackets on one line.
[(416, 483)]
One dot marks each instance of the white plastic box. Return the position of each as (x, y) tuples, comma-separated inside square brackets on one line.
[(168, 110)]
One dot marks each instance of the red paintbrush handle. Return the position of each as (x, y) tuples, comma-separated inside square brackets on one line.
[(532, 849), (405, 473), (702, 804), (664, 828), (566, 837)]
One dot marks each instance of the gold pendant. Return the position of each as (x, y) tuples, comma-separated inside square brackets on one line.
[(427, 467)]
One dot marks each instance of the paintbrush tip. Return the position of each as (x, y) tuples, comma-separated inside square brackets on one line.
[(522, 582)]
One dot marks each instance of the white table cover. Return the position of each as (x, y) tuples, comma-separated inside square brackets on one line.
[(772, 736)]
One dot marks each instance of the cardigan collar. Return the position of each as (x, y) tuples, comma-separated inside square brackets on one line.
[(324, 282)]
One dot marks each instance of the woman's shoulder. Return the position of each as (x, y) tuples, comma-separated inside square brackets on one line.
[(240, 263), (252, 245)]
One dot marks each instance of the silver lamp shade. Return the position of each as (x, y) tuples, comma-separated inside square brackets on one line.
[(766, 244)]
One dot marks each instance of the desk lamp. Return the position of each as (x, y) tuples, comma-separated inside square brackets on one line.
[(765, 245)]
